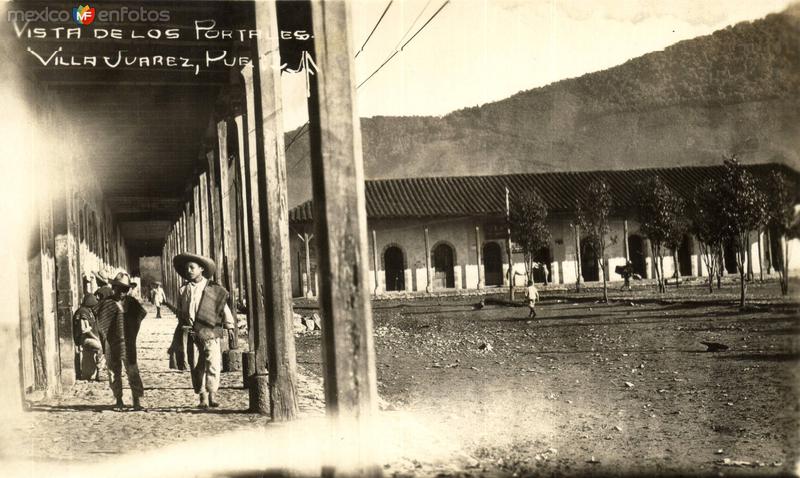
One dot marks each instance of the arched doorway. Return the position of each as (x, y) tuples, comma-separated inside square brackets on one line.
[(729, 258), (589, 267), (637, 255), (492, 264), (394, 268), (543, 258), (443, 261), (685, 257)]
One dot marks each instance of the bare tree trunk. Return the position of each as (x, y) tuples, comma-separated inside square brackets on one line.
[(784, 273), (661, 265), (677, 268)]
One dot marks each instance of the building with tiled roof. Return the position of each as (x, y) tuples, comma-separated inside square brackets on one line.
[(460, 221)]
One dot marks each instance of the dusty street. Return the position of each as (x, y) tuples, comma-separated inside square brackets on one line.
[(595, 388), (586, 388)]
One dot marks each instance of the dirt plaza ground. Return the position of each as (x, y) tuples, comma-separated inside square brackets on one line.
[(585, 389)]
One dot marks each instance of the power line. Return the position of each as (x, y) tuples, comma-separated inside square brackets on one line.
[(396, 51), (374, 28), (404, 44)]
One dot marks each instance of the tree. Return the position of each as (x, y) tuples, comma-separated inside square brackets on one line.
[(705, 224), (592, 216), (660, 213), (781, 197), (743, 209), (528, 213)]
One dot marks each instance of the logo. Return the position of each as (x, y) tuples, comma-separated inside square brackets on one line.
[(83, 14)]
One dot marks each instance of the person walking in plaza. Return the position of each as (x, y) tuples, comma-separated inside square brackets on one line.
[(119, 317), (157, 297), (87, 338), (533, 295), (203, 305)]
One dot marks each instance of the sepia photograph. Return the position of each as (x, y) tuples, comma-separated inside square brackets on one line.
[(399, 238)]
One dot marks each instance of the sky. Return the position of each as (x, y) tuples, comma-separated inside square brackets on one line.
[(479, 51)]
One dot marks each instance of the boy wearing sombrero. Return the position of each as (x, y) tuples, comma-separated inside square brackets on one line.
[(118, 319), (203, 305)]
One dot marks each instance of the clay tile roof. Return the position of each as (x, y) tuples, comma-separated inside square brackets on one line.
[(485, 195)]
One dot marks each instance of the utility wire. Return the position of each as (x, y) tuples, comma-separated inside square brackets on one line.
[(404, 44), (396, 51), (374, 28)]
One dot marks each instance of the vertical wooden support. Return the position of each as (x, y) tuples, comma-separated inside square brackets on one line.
[(197, 216), (224, 215), (65, 284), (244, 258), (478, 257), (428, 274), (256, 361), (215, 219), (627, 246), (337, 172), (187, 213), (205, 216), (281, 359), (306, 244), (376, 276)]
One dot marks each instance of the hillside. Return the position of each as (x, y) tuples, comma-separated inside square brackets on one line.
[(734, 91)]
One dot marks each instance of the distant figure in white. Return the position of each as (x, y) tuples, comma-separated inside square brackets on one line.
[(533, 295)]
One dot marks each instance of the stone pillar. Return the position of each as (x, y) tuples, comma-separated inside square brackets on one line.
[(65, 282), (478, 257), (429, 286), (627, 246)]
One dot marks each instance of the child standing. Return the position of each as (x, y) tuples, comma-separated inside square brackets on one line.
[(533, 295)]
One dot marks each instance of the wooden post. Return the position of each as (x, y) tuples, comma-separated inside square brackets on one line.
[(256, 361), (197, 215), (65, 285), (244, 258), (337, 172), (375, 263), (306, 241), (215, 215), (478, 256), (225, 219), (205, 216), (429, 287)]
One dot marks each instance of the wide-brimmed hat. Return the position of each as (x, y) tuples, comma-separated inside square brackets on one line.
[(180, 261), (101, 278), (123, 279), (157, 283), (89, 300)]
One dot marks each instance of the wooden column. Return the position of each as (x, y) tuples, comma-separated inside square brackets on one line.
[(205, 217), (337, 172), (478, 256), (255, 366), (197, 216), (429, 286), (224, 214), (306, 244), (244, 257), (65, 283), (375, 263), (214, 213), (281, 357), (188, 214)]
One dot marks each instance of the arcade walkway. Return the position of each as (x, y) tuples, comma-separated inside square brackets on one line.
[(82, 426)]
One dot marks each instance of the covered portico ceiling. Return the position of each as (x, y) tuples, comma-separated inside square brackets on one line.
[(148, 119)]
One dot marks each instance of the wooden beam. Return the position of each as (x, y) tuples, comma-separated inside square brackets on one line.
[(337, 172), (245, 223), (225, 219), (281, 359)]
